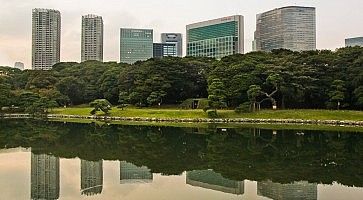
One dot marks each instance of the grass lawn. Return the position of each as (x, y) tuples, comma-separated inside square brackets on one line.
[(264, 114)]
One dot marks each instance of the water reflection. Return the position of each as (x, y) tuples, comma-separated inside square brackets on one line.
[(130, 173), (209, 179), (284, 164), (296, 190), (91, 177), (44, 177)]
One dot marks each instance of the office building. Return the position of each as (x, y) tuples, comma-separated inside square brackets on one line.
[(91, 177), (46, 36), (351, 42), (92, 38), (19, 65), (296, 190), (292, 28), (44, 177), (209, 179), (130, 173), (174, 38), (135, 45), (161, 50), (216, 38)]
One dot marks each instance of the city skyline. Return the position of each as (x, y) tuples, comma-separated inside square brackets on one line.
[(15, 41)]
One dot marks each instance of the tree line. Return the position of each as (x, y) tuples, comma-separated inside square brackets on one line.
[(281, 78)]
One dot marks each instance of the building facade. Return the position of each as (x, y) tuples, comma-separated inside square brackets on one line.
[(92, 38), (292, 28), (19, 65), (91, 177), (44, 177), (135, 45), (296, 190), (351, 42), (46, 36), (174, 38), (216, 38), (130, 173), (209, 179), (161, 50)]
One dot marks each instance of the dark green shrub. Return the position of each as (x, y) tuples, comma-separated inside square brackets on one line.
[(243, 108), (212, 113)]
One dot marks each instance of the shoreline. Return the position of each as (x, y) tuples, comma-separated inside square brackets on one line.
[(190, 120)]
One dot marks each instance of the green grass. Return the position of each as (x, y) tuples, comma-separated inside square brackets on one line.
[(180, 114)]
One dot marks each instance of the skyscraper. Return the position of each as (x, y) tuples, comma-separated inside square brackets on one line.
[(351, 42), (44, 177), (292, 28), (174, 38), (92, 38), (135, 45), (164, 50), (216, 38), (91, 177), (46, 32)]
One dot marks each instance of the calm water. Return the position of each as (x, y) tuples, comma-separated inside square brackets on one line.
[(52, 160)]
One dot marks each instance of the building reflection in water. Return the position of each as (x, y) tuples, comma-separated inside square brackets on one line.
[(292, 191), (130, 173), (91, 177), (44, 177), (211, 180)]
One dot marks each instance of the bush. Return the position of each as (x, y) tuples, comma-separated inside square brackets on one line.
[(203, 104), (212, 114), (243, 108)]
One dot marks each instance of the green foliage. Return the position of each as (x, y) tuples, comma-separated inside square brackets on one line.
[(212, 113), (243, 108), (217, 97), (287, 79), (100, 105), (41, 106)]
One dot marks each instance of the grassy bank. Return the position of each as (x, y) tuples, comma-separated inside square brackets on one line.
[(183, 114)]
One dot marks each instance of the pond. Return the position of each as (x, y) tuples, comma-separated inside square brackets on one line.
[(58, 160)]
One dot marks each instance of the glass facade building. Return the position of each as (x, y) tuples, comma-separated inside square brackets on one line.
[(174, 38), (135, 45), (216, 38), (292, 28), (92, 38), (351, 42), (164, 50)]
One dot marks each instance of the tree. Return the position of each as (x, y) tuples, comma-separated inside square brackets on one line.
[(253, 92), (41, 106), (73, 88), (100, 105), (123, 99), (275, 80), (336, 94), (217, 95), (5, 97)]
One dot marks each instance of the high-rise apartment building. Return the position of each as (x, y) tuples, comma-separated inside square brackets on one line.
[(135, 45), (216, 38), (174, 38), (92, 38), (46, 34), (351, 42), (161, 50), (292, 28)]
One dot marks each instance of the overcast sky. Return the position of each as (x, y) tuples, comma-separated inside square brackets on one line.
[(336, 20)]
